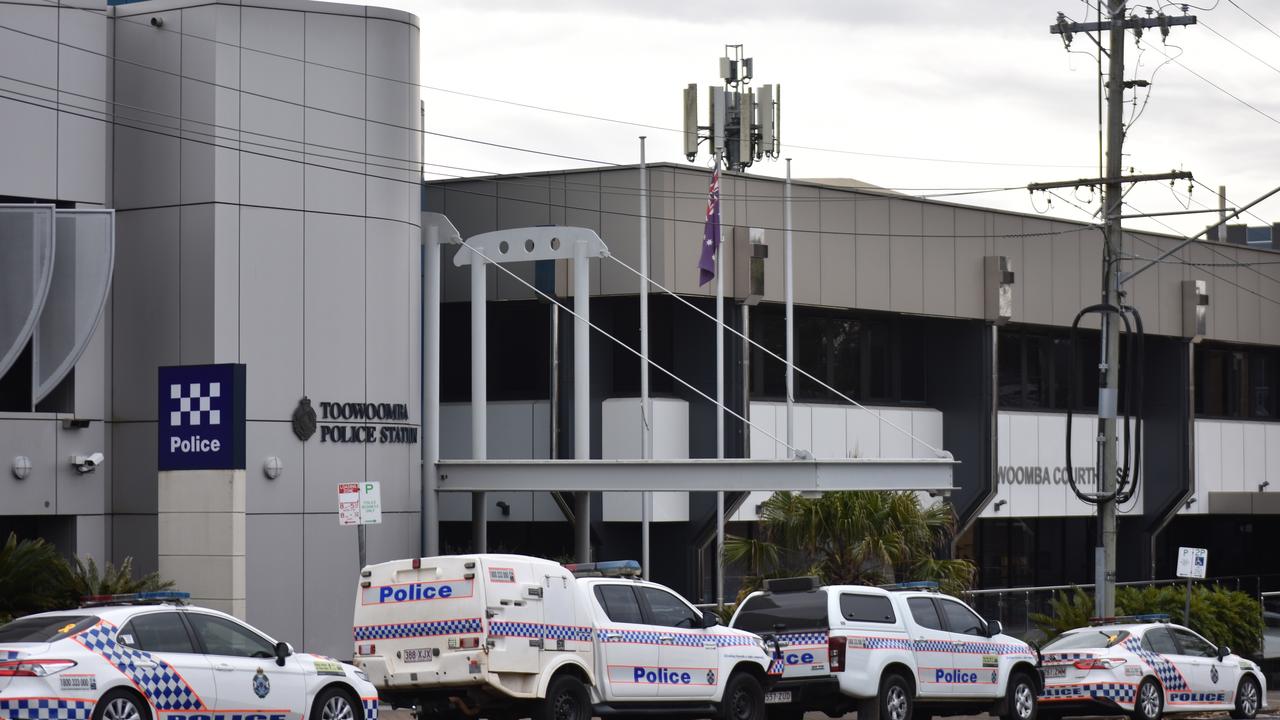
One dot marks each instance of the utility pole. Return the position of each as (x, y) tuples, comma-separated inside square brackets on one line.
[(1113, 241)]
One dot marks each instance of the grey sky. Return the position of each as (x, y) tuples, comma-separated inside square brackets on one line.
[(976, 81)]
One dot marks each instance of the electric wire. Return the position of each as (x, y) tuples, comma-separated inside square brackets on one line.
[(1263, 25)]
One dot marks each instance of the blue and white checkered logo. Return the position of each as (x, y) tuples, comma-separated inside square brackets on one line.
[(467, 626), (1168, 673), (46, 709), (194, 403), (370, 706), (164, 687)]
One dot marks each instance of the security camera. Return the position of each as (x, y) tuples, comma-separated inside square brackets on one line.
[(87, 463)]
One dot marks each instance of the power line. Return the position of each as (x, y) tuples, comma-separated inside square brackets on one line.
[(542, 108), (1216, 86), (1241, 49), (1263, 25)]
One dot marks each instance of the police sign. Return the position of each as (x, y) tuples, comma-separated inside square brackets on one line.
[(201, 417)]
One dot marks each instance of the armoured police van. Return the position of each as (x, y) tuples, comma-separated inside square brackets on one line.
[(512, 636)]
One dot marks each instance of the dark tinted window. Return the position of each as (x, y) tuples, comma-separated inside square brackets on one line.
[(668, 610), (619, 603), (792, 611), (44, 629), (1193, 644), (223, 637), (866, 608), (1158, 640), (156, 632), (923, 612), (961, 619)]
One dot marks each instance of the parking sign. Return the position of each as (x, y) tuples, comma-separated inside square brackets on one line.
[(1192, 562)]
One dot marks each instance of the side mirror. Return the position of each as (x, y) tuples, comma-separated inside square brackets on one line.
[(994, 628), (709, 619), (1223, 652), (283, 650)]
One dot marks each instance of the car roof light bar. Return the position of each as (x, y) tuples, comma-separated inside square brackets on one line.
[(152, 597), (1143, 618), (608, 568), (920, 585)]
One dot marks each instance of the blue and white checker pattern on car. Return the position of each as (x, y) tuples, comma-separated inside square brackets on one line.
[(886, 643), (1168, 673), (164, 687), (370, 706), (463, 626), (804, 639), (682, 639), (540, 630), (46, 709), (9, 655), (1118, 692), (933, 645), (1063, 657)]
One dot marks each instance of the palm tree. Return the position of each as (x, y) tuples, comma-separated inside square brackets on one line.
[(31, 572), (852, 537)]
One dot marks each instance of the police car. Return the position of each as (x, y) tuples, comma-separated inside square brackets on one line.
[(148, 656), (1147, 667), (514, 636)]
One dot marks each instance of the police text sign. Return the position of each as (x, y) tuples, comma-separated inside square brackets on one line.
[(201, 417)]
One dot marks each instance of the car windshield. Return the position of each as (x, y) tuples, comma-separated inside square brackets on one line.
[(43, 629), (786, 612), (1084, 639)]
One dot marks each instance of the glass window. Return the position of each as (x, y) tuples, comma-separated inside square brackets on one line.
[(961, 619), (1262, 368), (924, 613), (1036, 371), (619, 603), (912, 337), (157, 632), (223, 637), (1009, 369), (866, 608), (1158, 640), (1086, 639), (1193, 644), (45, 629), (668, 610), (877, 363), (790, 612)]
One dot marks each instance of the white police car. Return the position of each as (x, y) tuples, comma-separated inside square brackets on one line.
[(1146, 667), (149, 657)]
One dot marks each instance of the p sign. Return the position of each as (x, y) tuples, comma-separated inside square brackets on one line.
[(201, 417)]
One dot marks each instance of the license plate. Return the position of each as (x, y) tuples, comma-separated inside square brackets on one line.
[(415, 655), (777, 698), (1055, 671)]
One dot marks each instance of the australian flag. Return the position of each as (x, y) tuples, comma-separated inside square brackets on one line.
[(710, 232)]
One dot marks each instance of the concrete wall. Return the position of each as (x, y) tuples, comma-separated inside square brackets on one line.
[(51, 152), (860, 250), (269, 232)]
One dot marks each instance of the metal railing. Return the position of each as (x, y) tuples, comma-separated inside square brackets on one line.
[(1013, 607)]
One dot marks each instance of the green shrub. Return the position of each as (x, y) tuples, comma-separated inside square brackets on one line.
[(83, 578), (31, 575), (1226, 617)]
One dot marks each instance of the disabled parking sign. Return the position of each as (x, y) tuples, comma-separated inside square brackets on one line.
[(201, 417), (1192, 562)]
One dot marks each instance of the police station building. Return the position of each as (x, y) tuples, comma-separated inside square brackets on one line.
[(210, 240)]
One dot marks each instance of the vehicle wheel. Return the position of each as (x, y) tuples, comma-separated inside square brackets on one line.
[(895, 698), (567, 699), (1149, 704), (1248, 699), (1020, 698), (743, 698), (336, 704), (120, 704)]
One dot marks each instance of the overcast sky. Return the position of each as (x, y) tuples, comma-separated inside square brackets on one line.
[(982, 85)]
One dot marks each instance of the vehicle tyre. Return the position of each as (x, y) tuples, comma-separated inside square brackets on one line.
[(1021, 698), (896, 701), (335, 703), (567, 699), (743, 698), (1149, 704), (1248, 699), (121, 704)]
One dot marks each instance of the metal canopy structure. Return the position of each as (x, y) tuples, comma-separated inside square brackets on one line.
[(925, 474)]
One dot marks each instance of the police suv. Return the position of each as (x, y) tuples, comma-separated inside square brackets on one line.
[(1146, 667), (515, 636), (902, 652), (148, 657)]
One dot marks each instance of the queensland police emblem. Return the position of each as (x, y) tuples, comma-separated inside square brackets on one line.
[(1213, 673), (261, 684), (711, 677), (304, 420)]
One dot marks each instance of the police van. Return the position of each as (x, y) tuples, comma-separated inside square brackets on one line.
[(892, 653), (510, 636)]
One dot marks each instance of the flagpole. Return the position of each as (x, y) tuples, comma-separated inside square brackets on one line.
[(646, 409), (720, 399)]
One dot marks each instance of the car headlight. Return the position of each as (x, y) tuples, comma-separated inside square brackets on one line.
[(362, 675)]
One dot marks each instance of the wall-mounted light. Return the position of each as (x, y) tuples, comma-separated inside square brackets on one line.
[(1189, 503), (157, 21), (1262, 486), (505, 508), (272, 467), (1000, 504), (21, 467)]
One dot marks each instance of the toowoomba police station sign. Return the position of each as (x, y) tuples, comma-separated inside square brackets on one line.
[(354, 422)]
